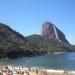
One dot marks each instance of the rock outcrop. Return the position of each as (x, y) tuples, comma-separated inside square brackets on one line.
[(50, 31)]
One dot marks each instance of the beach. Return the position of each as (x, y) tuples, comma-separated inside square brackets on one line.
[(20, 70)]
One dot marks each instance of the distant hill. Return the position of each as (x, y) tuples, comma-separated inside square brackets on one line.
[(9, 41), (51, 39), (6, 33), (14, 45), (50, 45)]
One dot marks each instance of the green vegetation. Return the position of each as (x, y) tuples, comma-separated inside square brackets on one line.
[(48, 45), (14, 45)]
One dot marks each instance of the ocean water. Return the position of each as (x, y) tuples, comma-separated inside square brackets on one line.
[(57, 61)]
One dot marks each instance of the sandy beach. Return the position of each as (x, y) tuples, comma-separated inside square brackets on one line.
[(19, 70)]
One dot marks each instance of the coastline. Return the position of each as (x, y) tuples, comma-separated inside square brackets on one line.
[(20, 70)]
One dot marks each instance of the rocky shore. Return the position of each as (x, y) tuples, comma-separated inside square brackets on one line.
[(20, 70)]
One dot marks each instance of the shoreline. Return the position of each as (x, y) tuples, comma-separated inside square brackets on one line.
[(59, 52), (20, 70)]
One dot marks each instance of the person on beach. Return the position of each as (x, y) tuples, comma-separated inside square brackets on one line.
[(45, 73), (26, 73), (29, 69), (65, 73), (36, 71)]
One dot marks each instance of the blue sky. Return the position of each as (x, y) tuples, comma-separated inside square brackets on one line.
[(27, 16)]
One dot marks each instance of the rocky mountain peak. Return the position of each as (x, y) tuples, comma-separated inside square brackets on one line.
[(50, 31)]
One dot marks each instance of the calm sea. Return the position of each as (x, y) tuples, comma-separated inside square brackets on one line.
[(57, 61)]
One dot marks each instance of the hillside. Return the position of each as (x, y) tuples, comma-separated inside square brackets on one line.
[(9, 41), (14, 45), (40, 43)]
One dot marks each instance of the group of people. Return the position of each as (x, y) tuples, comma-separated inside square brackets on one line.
[(19, 70), (13, 70)]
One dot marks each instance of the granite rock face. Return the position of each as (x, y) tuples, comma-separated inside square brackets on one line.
[(50, 31)]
